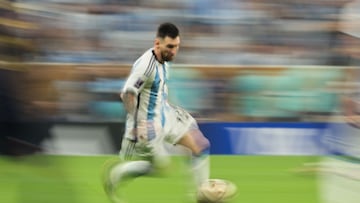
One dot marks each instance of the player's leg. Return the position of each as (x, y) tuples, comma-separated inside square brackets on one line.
[(136, 160), (128, 167), (199, 146), (183, 130), (205, 188)]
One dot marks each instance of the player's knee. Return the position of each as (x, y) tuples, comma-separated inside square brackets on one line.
[(203, 140), (205, 149), (195, 141), (207, 143), (203, 145)]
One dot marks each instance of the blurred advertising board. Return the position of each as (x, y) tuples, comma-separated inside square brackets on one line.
[(266, 138)]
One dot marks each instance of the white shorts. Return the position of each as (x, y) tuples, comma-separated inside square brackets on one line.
[(177, 122)]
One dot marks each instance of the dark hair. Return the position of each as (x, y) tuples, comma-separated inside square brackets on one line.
[(167, 30)]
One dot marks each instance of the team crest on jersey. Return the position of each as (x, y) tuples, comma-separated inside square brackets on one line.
[(138, 83)]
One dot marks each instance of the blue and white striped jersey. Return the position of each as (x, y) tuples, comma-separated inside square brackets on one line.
[(148, 81)]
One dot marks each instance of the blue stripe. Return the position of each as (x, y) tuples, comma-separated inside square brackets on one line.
[(164, 97), (153, 96), (151, 133)]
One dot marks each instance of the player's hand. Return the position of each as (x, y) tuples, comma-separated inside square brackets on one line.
[(142, 146), (141, 131)]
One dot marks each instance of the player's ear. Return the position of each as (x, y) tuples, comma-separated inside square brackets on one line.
[(157, 42)]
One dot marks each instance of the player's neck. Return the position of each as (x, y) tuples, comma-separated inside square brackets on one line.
[(158, 56)]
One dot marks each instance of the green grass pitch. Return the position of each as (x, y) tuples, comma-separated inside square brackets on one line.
[(77, 179)]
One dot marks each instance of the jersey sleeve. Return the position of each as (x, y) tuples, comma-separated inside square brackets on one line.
[(140, 72)]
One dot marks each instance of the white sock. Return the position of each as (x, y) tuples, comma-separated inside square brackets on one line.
[(129, 170), (201, 168)]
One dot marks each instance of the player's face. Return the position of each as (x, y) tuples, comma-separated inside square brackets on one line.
[(169, 48)]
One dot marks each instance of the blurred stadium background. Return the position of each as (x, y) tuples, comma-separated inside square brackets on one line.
[(278, 65)]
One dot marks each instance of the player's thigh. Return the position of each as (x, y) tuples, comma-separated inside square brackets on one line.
[(177, 123), (195, 141), (184, 130)]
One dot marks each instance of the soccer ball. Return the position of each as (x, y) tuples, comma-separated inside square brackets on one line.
[(216, 191)]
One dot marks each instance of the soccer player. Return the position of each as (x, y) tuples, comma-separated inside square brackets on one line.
[(152, 121), (339, 179)]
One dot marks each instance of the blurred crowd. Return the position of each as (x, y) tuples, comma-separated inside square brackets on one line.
[(282, 32)]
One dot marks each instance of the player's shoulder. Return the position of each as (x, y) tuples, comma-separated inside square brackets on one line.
[(146, 60)]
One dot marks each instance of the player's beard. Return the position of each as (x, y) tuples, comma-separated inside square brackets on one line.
[(166, 56)]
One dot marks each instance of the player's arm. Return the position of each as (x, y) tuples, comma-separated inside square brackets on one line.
[(133, 87), (129, 98)]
